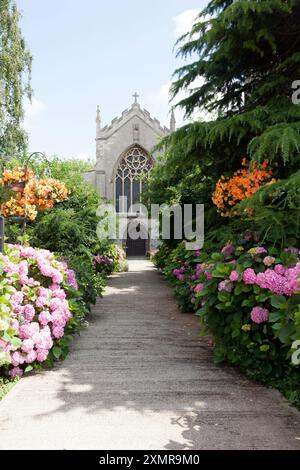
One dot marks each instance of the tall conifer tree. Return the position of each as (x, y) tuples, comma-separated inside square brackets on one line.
[(247, 53)]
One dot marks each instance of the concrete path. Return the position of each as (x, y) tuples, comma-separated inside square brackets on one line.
[(141, 378)]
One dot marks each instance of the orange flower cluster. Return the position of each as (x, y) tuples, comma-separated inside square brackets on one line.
[(36, 195), (19, 206), (17, 175), (244, 183), (45, 192)]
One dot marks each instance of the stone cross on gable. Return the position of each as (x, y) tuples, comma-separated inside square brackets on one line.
[(135, 96)]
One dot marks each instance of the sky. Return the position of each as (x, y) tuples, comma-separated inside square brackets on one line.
[(89, 52)]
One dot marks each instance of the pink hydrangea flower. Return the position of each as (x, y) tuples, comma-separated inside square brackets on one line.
[(15, 372), (55, 304), (23, 267), (226, 286), (71, 279), (17, 358), (269, 260), (57, 317), (58, 331), (208, 275), (17, 298), (42, 354), (27, 252), (31, 356), (10, 267), (234, 276), (28, 312), (18, 309), (259, 315), (41, 302), (27, 345), (249, 276), (57, 277), (274, 282), (60, 294), (280, 269), (292, 249), (45, 317), (24, 331), (43, 292), (24, 279), (28, 330), (199, 269), (228, 250), (198, 287)]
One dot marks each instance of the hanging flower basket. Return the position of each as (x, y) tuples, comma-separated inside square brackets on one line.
[(16, 179), (18, 206), (46, 192)]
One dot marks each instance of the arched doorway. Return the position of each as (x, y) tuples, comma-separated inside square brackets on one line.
[(136, 239)]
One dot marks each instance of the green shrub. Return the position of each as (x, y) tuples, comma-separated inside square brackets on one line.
[(248, 301)]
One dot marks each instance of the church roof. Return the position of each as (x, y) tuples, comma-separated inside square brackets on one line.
[(127, 114)]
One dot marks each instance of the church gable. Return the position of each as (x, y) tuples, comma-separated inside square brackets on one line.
[(134, 113), (135, 126)]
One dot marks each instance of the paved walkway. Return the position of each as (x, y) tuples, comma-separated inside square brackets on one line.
[(141, 378)]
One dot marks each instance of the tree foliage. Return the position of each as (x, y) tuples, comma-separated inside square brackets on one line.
[(15, 68), (247, 54), (243, 48)]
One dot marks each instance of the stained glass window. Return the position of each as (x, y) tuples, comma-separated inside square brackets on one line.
[(130, 176)]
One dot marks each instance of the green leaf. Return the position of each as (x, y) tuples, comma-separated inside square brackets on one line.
[(224, 296), (217, 274), (220, 306), (6, 337), (277, 327), (216, 257), (278, 301), (235, 333), (286, 332), (57, 352), (262, 297), (247, 303), (16, 342), (275, 316)]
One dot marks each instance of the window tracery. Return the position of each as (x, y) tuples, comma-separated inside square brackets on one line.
[(131, 174)]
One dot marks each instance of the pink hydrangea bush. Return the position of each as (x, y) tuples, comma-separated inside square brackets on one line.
[(247, 298), (41, 308), (251, 307)]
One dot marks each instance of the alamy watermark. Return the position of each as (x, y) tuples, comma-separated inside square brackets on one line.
[(159, 222), (296, 93)]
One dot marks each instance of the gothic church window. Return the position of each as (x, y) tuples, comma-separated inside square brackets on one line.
[(130, 176)]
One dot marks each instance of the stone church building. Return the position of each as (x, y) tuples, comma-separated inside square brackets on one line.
[(123, 158)]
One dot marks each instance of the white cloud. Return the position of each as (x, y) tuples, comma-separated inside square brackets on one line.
[(184, 21), (33, 110)]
